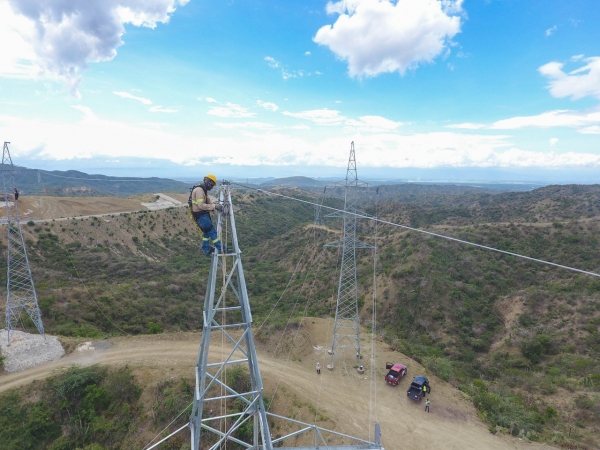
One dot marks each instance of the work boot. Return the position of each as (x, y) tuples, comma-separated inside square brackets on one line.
[(210, 252)]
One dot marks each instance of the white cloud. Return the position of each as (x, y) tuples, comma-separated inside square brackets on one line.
[(579, 83), (286, 74), (557, 118), (230, 110), (553, 141), (300, 126), (17, 54), (320, 116), (332, 117), (378, 36), (60, 38), (594, 129), (143, 100), (245, 125), (306, 53), (272, 62), (211, 100), (268, 105), (550, 31), (159, 108), (92, 136)]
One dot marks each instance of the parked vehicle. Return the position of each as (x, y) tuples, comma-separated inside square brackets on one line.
[(396, 372), (416, 391)]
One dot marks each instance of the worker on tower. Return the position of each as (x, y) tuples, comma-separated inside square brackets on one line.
[(201, 208)]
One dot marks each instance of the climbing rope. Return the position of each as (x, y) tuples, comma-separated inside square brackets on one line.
[(373, 385)]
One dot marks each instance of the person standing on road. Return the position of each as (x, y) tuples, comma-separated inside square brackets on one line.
[(318, 368), (201, 208), (427, 403)]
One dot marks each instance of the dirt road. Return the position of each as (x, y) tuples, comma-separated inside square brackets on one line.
[(339, 398)]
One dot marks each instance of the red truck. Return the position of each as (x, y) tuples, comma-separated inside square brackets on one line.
[(397, 371)]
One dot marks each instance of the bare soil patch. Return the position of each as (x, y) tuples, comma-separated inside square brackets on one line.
[(342, 399)]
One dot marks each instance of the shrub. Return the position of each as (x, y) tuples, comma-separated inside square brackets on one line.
[(155, 327)]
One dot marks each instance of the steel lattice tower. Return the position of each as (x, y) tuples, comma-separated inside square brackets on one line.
[(228, 341), (346, 331), (233, 325), (20, 291)]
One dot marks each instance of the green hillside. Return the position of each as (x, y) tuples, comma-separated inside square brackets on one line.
[(521, 339), (72, 183)]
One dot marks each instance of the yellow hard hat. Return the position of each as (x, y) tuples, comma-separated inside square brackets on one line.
[(210, 176)]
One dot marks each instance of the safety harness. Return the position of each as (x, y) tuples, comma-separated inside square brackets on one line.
[(194, 216)]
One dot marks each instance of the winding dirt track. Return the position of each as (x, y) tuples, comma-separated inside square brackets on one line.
[(340, 396)]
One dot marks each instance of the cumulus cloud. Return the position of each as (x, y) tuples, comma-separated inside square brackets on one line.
[(377, 36), (143, 100), (332, 117), (92, 136), (267, 105), (553, 141), (211, 100), (63, 37), (579, 83), (230, 110), (557, 118)]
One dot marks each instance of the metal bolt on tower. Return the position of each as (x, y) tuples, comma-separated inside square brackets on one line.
[(225, 410), (346, 331), (20, 291)]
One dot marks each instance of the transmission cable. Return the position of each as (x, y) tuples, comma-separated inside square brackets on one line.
[(373, 385), (430, 233), (163, 430)]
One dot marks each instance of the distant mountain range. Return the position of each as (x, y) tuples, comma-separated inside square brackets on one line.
[(73, 183)]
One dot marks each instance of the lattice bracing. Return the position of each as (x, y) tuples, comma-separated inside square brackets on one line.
[(20, 289), (346, 330), (226, 410)]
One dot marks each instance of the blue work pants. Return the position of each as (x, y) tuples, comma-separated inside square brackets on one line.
[(209, 234)]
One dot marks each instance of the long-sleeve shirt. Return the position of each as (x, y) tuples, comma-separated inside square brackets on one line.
[(201, 201)]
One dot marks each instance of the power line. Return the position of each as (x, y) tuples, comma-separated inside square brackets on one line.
[(430, 233)]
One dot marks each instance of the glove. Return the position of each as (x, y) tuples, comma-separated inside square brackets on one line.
[(219, 208)]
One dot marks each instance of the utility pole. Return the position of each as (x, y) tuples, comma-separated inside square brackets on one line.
[(225, 410), (20, 291), (346, 331)]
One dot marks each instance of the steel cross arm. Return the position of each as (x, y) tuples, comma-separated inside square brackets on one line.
[(364, 441), (240, 395), (336, 447), (357, 244)]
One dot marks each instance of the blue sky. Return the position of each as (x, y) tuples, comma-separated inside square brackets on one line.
[(254, 88)]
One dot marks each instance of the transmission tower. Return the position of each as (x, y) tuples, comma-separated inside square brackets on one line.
[(224, 410), (20, 295), (346, 331)]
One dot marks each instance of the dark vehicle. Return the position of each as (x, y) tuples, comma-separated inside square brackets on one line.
[(397, 371), (416, 391)]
